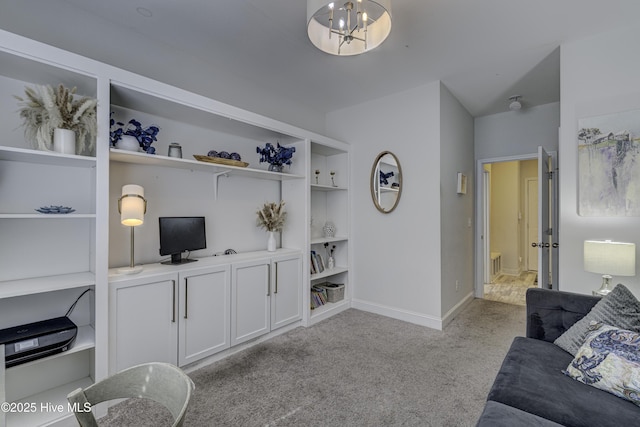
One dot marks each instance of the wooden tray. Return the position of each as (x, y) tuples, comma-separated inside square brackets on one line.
[(218, 160)]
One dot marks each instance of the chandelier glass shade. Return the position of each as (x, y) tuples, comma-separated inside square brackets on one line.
[(348, 27)]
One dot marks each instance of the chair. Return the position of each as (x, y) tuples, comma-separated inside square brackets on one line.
[(161, 382)]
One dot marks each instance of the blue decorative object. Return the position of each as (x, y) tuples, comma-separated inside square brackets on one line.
[(384, 177), (145, 136), (55, 210), (277, 156), (609, 360)]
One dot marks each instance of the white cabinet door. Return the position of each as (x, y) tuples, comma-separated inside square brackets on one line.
[(286, 295), (250, 291), (205, 302), (144, 321)]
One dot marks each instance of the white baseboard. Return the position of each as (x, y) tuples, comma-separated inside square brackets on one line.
[(451, 314), (400, 314), (411, 316)]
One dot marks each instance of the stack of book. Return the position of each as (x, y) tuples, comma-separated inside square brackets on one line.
[(318, 296), (317, 263)]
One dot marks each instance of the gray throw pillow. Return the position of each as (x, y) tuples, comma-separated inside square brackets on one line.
[(619, 308)]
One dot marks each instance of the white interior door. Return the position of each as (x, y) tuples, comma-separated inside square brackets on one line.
[(544, 236)]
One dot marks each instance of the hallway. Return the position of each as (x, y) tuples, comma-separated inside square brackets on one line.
[(510, 289)]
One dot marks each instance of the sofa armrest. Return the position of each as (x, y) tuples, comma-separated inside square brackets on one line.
[(550, 313)]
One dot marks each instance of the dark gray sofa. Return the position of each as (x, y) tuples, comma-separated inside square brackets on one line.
[(530, 388)]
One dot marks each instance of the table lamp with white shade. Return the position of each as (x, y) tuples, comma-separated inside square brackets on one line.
[(132, 206), (609, 259)]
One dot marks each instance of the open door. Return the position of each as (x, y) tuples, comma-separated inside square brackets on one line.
[(544, 219)]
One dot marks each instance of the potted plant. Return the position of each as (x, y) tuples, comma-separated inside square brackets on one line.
[(144, 136), (277, 156), (45, 109), (271, 217)]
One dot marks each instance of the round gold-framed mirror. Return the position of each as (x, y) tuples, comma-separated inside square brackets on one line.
[(386, 182)]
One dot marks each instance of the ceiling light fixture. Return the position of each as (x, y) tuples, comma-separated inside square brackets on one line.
[(351, 29), (515, 104)]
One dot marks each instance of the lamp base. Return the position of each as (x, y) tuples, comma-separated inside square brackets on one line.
[(606, 286), (130, 270)]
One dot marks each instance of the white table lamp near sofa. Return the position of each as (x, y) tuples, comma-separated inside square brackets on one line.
[(132, 206), (609, 259)]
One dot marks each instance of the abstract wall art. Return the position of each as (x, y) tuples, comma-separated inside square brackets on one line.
[(609, 165)]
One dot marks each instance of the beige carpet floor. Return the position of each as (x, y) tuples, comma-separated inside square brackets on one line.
[(354, 369)]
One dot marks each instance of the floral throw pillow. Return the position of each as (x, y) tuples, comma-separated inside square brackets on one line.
[(609, 360), (619, 308)]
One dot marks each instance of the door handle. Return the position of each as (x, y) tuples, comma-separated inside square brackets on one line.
[(173, 315), (555, 245), (186, 297), (268, 280), (276, 275)]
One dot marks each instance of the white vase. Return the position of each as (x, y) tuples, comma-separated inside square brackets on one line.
[(271, 243), (64, 141), (129, 143)]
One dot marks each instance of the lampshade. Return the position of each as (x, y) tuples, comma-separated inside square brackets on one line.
[(611, 258), (132, 205), (349, 28)]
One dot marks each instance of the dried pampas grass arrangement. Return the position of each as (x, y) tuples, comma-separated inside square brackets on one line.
[(272, 216), (44, 109)]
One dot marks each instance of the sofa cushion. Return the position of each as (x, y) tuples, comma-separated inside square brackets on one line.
[(551, 313), (619, 308), (497, 414), (610, 360), (531, 380)]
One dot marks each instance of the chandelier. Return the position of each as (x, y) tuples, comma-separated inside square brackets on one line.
[(348, 28)]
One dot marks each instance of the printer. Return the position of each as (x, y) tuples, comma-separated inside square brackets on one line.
[(33, 341)]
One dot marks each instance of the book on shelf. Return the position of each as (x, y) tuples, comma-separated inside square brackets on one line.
[(318, 296), (317, 263), (315, 269)]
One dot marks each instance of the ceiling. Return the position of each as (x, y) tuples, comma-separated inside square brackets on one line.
[(484, 51)]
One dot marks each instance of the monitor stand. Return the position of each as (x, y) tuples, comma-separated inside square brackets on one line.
[(177, 259)]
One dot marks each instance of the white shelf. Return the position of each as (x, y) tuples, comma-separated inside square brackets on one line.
[(329, 273), (172, 162), (328, 310), (320, 187), (321, 240), (45, 157), (85, 340), (13, 288), (44, 216), (56, 396)]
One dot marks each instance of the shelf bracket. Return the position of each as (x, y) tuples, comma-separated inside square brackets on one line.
[(215, 186)]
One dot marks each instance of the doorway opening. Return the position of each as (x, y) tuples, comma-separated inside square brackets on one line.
[(511, 198), (515, 218)]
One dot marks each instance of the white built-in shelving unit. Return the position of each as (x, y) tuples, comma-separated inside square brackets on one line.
[(48, 260), (329, 202)]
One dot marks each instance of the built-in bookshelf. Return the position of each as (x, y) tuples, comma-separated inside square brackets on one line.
[(329, 177)]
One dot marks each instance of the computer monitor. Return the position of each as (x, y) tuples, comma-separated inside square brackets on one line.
[(181, 234)]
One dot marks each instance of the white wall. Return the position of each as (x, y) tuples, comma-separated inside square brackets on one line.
[(515, 133), (456, 210), (505, 203), (397, 261), (599, 76)]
